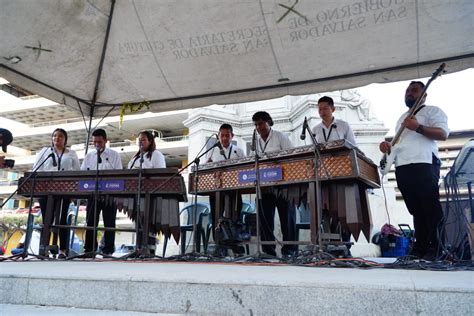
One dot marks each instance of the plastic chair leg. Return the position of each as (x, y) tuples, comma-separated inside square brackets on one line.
[(183, 242), (165, 243)]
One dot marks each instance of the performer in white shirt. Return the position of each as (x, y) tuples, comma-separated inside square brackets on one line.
[(229, 150), (269, 140), (152, 158), (108, 159), (331, 129), (230, 200), (417, 169), (57, 158)]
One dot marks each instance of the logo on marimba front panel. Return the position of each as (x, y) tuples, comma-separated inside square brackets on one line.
[(104, 185), (272, 174)]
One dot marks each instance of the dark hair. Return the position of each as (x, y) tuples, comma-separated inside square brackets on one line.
[(326, 99), (226, 126), (100, 132), (150, 135), (62, 131), (262, 115), (7, 138), (418, 83)]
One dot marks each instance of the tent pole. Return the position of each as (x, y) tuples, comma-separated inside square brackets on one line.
[(89, 130)]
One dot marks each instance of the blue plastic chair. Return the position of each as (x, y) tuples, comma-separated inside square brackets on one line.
[(247, 210), (204, 225), (304, 219)]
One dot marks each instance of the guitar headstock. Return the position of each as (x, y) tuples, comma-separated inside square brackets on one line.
[(438, 72)]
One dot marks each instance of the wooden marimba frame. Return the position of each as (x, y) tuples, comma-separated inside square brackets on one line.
[(345, 174), (161, 208)]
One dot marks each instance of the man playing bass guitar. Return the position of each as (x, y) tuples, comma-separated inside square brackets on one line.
[(417, 169)]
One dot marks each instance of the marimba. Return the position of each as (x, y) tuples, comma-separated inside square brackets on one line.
[(161, 189), (345, 174)]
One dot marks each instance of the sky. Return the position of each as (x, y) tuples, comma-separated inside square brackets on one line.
[(453, 93)]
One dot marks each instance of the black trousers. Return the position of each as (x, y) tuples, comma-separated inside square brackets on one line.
[(234, 206), (63, 232), (287, 213), (418, 184), (109, 215)]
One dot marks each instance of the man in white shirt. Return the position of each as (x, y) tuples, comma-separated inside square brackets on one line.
[(229, 150), (271, 140), (232, 200), (106, 159), (331, 129), (417, 168)]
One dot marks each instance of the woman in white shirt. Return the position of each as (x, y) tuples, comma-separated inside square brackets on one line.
[(57, 158), (152, 158)]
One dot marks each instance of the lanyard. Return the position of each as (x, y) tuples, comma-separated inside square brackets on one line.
[(326, 138), (266, 142), (230, 152), (60, 157), (138, 156)]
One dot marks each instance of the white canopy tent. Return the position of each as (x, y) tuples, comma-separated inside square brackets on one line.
[(98, 55)]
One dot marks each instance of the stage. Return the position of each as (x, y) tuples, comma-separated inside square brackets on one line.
[(232, 289)]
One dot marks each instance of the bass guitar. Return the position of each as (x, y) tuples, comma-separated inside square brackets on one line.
[(389, 157)]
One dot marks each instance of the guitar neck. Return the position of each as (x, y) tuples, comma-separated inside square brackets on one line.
[(411, 112), (418, 102)]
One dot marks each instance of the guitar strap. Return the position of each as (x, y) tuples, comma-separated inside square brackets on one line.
[(418, 110)]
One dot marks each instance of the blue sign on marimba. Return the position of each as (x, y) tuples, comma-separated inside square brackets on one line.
[(272, 174), (104, 185)]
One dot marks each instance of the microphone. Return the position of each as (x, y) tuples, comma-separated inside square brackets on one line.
[(99, 159), (53, 156), (221, 149), (303, 131), (253, 147), (219, 145)]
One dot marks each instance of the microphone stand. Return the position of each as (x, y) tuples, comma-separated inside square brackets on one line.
[(317, 180), (139, 248), (30, 221), (258, 198), (258, 193), (94, 251)]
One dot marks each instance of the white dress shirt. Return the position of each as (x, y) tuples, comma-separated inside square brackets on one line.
[(110, 160), (230, 152), (276, 141), (64, 161), (339, 129), (157, 160), (414, 147)]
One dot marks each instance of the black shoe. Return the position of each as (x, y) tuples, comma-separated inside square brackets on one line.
[(289, 253), (270, 253), (417, 252), (431, 255)]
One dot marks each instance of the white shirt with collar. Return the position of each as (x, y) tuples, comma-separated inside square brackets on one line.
[(230, 152), (414, 147), (276, 141), (66, 161), (157, 160), (110, 160), (339, 129)]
